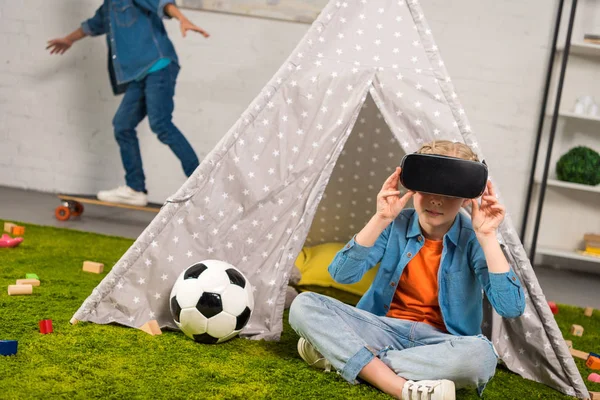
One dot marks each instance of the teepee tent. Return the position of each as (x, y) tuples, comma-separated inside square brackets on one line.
[(303, 164)]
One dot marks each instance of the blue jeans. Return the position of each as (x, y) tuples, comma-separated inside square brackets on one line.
[(152, 96), (350, 338)]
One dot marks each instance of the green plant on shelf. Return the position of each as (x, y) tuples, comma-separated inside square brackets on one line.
[(579, 165)]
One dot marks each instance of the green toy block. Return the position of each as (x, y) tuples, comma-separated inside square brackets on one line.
[(31, 276)]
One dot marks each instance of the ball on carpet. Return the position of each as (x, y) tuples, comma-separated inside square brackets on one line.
[(211, 301)]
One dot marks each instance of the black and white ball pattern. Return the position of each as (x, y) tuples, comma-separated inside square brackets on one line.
[(211, 301)]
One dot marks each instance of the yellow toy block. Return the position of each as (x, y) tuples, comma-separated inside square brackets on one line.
[(93, 267), (588, 311), (152, 328), (8, 226), (16, 290), (576, 330), (32, 282)]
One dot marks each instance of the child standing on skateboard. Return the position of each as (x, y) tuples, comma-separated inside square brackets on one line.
[(142, 63)]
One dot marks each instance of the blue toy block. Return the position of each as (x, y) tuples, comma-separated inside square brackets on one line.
[(594, 355), (8, 347)]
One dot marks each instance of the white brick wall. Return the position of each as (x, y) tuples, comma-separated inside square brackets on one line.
[(56, 112)]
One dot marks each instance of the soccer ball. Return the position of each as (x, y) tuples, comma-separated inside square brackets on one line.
[(211, 301)]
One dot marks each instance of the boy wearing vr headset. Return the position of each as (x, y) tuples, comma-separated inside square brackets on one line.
[(417, 330)]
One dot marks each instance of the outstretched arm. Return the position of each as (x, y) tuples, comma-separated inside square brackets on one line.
[(61, 45), (184, 24), (91, 27), (168, 8)]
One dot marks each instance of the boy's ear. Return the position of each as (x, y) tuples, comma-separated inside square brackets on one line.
[(466, 202)]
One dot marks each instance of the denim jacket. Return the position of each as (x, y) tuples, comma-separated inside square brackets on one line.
[(462, 276), (135, 35)]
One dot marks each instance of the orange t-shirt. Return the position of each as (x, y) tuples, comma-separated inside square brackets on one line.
[(416, 297)]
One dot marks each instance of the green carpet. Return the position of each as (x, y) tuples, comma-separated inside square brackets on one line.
[(97, 361)]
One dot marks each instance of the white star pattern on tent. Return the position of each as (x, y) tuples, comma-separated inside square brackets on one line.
[(306, 159)]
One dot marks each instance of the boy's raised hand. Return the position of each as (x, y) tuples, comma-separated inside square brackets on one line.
[(59, 46), (487, 216), (389, 202), (187, 25)]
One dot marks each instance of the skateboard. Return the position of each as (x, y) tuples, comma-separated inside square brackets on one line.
[(72, 205)]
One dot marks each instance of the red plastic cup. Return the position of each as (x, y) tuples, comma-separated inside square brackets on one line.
[(553, 307)]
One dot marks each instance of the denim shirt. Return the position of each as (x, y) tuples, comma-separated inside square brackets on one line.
[(462, 275), (135, 35)]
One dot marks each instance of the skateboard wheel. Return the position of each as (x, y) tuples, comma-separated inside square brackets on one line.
[(77, 209), (62, 213)]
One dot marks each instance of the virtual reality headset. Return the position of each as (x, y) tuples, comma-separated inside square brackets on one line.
[(443, 175)]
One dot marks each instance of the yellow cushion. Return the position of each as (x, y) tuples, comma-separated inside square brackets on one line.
[(314, 261)]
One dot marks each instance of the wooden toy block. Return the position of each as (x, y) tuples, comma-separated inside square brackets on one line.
[(553, 307), (8, 226), (46, 326), (8, 347), (590, 237), (576, 330), (579, 354), (32, 276), (18, 230), (594, 377), (594, 395), (32, 282), (93, 267), (15, 290), (569, 344), (593, 362), (152, 328), (588, 311)]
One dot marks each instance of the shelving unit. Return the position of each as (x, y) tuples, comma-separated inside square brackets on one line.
[(572, 115), (569, 254), (571, 209), (572, 186), (582, 49)]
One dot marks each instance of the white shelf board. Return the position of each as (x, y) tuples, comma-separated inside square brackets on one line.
[(573, 186), (582, 49), (551, 251), (570, 114)]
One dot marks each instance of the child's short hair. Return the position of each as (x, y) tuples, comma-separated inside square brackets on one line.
[(450, 149)]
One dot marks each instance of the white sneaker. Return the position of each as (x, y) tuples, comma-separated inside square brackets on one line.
[(124, 195), (312, 356), (429, 390)]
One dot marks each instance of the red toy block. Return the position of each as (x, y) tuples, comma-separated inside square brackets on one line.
[(594, 377), (46, 326), (553, 307)]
